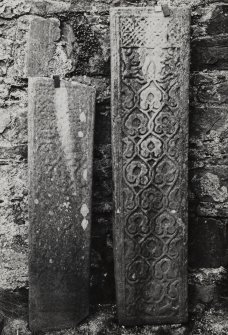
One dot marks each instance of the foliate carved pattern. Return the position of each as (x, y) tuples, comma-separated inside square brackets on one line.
[(153, 144)]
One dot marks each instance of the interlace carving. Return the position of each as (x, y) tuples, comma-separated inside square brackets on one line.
[(153, 144)]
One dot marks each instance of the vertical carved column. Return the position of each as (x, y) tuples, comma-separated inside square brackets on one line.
[(150, 75), (60, 178)]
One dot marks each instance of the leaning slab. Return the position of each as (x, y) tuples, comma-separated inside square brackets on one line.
[(61, 124), (150, 82)]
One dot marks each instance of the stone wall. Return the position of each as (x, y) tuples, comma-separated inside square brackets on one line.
[(80, 50)]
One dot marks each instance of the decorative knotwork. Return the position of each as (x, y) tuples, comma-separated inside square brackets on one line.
[(152, 145)]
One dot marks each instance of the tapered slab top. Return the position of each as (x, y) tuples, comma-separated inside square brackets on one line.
[(150, 75), (60, 179)]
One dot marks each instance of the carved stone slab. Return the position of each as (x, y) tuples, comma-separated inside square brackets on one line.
[(60, 177), (150, 75), (35, 46)]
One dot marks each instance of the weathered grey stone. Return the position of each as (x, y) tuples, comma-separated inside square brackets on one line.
[(208, 128), (60, 161), (39, 50), (204, 284), (92, 53), (15, 8), (210, 53), (208, 238), (150, 74), (16, 326), (209, 88), (103, 94), (13, 226), (210, 20), (210, 184)]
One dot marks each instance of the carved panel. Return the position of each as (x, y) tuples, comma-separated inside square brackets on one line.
[(60, 178), (150, 74)]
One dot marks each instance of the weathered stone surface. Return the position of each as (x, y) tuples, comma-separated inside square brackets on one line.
[(91, 29), (150, 73), (60, 160), (210, 53), (209, 88), (15, 8), (208, 140), (103, 95), (38, 53), (210, 20), (208, 238), (16, 326), (13, 226), (204, 284), (210, 184), (45, 7), (208, 191), (14, 304), (92, 53)]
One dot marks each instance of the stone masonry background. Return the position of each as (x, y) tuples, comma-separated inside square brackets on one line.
[(81, 51)]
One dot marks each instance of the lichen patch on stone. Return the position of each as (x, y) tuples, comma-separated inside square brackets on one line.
[(85, 174), (210, 185), (82, 117), (85, 224), (84, 210)]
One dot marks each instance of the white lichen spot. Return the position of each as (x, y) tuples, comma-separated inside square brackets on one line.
[(80, 134), (84, 210), (211, 186), (66, 204), (36, 201), (85, 174), (173, 211), (85, 224), (82, 117), (158, 8)]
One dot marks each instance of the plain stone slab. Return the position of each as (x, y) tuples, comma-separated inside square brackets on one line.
[(150, 92), (61, 122)]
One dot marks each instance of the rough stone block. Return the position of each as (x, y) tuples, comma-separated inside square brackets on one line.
[(13, 129), (209, 53), (208, 191), (60, 178), (213, 19), (92, 53), (15, 8), (13, 226), (208, 133), (210, 184), (209, 88), (204, 285), (150, 73), (208, 238), (38, 48)]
